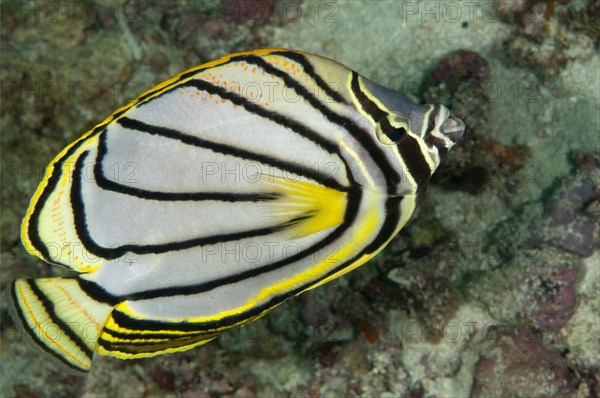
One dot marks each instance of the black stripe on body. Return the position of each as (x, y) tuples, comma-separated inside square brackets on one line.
[(415, 162), (33, 334), (97, 292), (367, 105), (124, 320), (431, 121), (392, 218), (225, 149), (152, 335), (83, 233), (293, 83), (110, 185), (141, 347), (300, 59), (310, 71)]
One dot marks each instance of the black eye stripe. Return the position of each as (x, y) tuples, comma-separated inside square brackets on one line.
[(395, 134), (430, 140), (431, 121)]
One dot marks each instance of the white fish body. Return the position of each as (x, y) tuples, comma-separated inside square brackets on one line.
[(252, 178)]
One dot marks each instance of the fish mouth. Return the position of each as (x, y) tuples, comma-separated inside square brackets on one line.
[(453, 128)]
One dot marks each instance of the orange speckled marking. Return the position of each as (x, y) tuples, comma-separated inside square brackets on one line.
[(73, 302)]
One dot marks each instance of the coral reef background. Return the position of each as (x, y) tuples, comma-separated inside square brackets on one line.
[(493, 289)]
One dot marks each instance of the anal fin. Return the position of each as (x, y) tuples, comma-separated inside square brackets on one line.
[(60, 318)]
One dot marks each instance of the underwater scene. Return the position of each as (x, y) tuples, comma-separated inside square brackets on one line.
[(300, 198)]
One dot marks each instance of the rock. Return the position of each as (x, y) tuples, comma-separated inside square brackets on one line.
[(520, 366), (555, 299)]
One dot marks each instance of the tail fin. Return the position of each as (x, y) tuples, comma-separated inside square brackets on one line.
[(60, 318)]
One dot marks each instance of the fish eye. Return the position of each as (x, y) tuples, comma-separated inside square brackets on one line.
[(397, 135), (392, 130)]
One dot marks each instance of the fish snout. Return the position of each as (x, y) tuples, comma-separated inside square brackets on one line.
[(453, 128)]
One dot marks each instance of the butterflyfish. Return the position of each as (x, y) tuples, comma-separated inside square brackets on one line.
[(217, 195)]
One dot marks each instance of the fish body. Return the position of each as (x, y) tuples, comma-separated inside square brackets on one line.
[(217, 195)]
